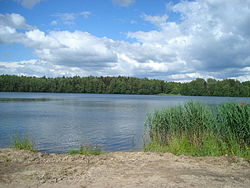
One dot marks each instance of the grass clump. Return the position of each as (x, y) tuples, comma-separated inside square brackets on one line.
[(22, 143), (87, 150), (199, 130)]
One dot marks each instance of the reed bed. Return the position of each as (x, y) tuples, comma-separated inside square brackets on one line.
[(200, 130)]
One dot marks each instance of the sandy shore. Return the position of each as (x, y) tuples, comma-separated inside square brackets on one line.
[(120, 169)]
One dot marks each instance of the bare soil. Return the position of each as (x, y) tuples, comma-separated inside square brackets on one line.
[(20, 168)]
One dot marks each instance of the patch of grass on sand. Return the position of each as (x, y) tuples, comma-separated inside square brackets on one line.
[(87, 150), (22, 143)]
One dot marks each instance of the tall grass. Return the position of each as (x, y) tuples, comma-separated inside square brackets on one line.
[(200, 130), (22, 143)]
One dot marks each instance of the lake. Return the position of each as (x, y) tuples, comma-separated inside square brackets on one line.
[(59, 122)]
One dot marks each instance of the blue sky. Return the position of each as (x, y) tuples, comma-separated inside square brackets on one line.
[(163, 39), (102, 18)]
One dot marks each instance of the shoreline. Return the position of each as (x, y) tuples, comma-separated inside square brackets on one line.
[(21, 168)]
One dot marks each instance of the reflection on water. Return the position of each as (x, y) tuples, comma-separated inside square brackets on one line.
[(60, 122), (23, 99)]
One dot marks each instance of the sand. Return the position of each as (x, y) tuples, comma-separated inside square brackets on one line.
[(19, 168)]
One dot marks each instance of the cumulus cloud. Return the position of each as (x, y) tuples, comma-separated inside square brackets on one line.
[(71, 48), (74, 49), (211, 39), (123, 3), (9, 24), (28, 3), (15, 21)]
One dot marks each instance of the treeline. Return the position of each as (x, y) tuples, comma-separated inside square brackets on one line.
[(124, 85)]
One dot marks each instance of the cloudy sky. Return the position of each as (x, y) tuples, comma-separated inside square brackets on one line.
[(162, 39)]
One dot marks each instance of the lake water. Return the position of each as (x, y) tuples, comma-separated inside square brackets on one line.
[(59, 122)]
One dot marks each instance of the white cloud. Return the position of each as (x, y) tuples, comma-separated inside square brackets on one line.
[(85, 14), (133, 22), (53, 22), (13, 20), (159, 21), (71, 48), (213, 36), (9, 23), (39, 68), (28, 3), (212, 39), (69, 18), (123, 3)]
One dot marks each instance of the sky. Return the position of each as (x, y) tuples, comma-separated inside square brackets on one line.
[(172, 40)]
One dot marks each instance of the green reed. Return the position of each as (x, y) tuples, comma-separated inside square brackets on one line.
[(200, 130)]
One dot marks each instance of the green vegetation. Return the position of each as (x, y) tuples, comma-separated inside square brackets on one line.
[(24, 143), (87, 150), (198, 130), (5, 159), (124, 85)]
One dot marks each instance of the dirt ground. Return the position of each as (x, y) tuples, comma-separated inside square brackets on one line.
[(120, 169)]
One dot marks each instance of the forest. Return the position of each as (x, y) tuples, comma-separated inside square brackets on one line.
[(124, 85)]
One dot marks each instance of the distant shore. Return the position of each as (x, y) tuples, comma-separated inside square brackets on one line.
[(124, 85)]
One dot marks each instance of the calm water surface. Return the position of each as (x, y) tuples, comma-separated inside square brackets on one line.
[(59, 122)]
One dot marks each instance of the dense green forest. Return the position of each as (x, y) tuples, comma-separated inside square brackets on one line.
[(124, 85)]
